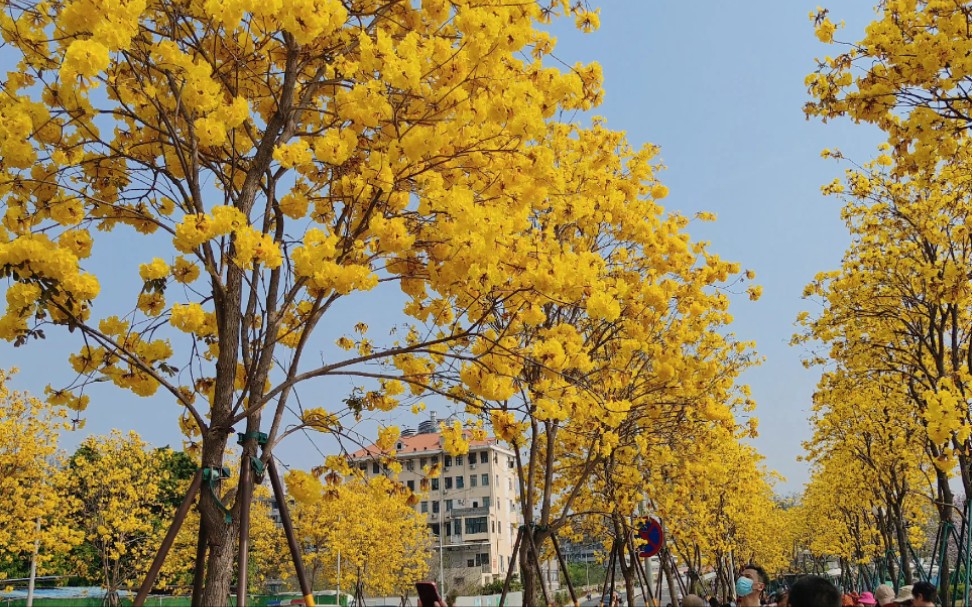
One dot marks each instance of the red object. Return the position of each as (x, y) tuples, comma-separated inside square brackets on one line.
[(428, 594), (651, 533)]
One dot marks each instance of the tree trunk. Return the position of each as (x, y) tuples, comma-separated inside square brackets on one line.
[(902, 539), (627, 568), (666, 565), (221, 535), (527, 574), (947, 499)]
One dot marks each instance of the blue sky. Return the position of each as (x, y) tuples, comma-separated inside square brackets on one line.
[(719, 86)]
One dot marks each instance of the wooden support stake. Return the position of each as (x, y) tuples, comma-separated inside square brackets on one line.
[(563, 567), (536, 563), (243, 556), (608, 574), (641, 574), (199, 575), (180, 517), (278, 492), (512, 566)]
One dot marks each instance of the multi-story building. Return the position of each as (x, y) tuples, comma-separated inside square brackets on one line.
[(472, 506)]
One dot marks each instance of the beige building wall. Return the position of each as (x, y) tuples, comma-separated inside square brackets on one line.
[(472, 507)]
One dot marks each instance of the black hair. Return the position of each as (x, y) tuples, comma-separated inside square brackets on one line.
[(759, 570), (927, 590), (814, 591)]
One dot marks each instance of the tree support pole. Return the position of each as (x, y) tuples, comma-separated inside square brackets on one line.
[(643, 581), (658, 587), (536, 563), (199, 575), (180, 517), (278, 492), (512, 566), (243, 556), (609, 574), (563, 567)]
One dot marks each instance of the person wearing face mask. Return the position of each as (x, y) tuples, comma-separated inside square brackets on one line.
[(750, 586)]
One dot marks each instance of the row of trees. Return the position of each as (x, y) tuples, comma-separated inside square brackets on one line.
[(107, 506), (273, 159), (96, 515), (892, 334)]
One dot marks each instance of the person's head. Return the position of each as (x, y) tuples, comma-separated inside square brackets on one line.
[(782, 598), (814, 591), (925, 594), (693, 600), (904, 596), (867, 599), (884, 595), (751, 582)]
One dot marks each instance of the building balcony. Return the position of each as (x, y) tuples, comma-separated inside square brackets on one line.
[(478, 511)]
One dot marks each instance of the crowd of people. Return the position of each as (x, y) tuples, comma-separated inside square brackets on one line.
[(815, 591), (807, 591)]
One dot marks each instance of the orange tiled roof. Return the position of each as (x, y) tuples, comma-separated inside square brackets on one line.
[(418, 443)]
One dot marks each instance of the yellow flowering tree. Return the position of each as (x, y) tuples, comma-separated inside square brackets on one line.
[(29, 475), (272, 158), (115, 484), (867, 433), (898, 309), (907, 75), (615, 316), (371, 526)]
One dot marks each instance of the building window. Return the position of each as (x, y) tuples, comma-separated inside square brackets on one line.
[(458, 460), (493, 526), (421, 462), (485, 480), (448, 505), (496, 478), (409, 465), (486, 502), (472, 480), (424, 508), (512, 463), (483, 457), (470, 563), (363, 467), (482, 559), (476, 525), (511, 483), (460, 480), (374, 468), (457, 527), (435, 529), (435, 507), (435, 484), (410, 485), (448, 482), (448, 461)]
